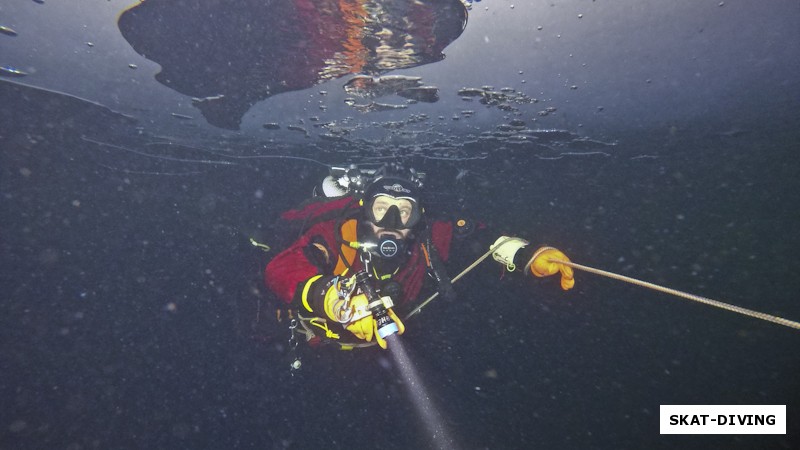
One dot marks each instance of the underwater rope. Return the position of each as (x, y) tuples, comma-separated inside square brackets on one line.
[(646, 284), (458, 277), (686, 295), (618, 277)]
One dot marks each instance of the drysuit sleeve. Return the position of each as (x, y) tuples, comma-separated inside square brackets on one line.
[(513, 252), (300, 274)]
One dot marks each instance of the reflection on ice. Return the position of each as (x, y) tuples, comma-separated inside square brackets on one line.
[(11, 72), (254, 49)]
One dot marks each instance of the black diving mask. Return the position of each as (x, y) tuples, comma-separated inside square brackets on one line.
[(385, 212)]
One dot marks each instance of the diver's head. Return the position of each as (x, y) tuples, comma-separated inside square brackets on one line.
[(391, 212)]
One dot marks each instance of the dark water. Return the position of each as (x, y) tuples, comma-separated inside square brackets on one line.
[(126, 319)]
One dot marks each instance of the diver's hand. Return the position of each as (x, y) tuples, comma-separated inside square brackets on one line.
[(506, 248), (367, 327), (363, 326), (544, 263), (342, 305)]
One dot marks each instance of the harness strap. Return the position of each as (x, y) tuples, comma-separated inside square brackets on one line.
[(444, 285), (427, 256)]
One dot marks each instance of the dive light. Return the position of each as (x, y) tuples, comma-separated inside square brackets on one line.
[(378, 306)]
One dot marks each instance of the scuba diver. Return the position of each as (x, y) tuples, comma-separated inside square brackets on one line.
[(367, 250)]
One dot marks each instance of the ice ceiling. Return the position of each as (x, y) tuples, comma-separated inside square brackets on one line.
[(432, 77)]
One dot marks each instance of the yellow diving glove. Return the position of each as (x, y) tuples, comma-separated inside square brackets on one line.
[(366, 327), (352, 310), (541, 265), (362, 326), (343, 305)]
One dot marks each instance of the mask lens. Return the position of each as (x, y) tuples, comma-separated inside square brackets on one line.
[(394, 212)]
